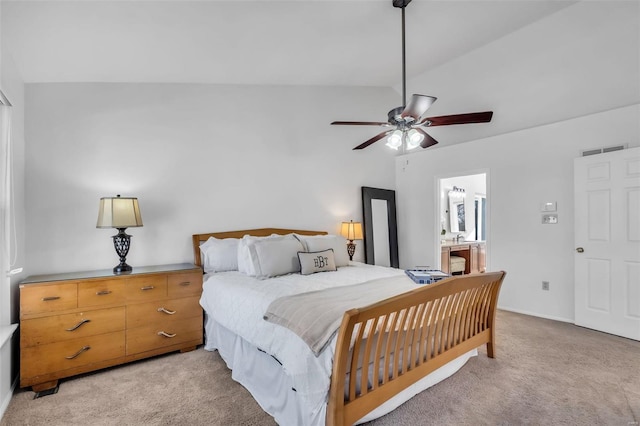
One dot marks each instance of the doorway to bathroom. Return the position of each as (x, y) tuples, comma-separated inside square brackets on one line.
[(463, 219)]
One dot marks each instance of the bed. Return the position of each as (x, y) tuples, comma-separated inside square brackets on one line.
[(392, 338)]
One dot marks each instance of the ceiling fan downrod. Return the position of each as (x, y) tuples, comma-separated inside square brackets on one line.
[(403, 4)]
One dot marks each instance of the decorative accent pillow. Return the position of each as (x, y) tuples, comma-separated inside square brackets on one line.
[(318, 261), (325, 242), (219, 255), (273, 257)]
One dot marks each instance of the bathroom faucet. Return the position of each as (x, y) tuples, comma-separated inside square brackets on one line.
[(459, 237)]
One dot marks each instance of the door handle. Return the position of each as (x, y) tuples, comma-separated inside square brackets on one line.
[(580, 250)]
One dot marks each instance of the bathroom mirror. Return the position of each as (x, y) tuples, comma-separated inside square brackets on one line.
[(380, 227), (457, 212), (480, 204)]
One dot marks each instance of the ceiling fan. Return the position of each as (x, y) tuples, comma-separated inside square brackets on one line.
[(406, 121)]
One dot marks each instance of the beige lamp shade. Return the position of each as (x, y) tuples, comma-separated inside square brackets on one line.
[(119, 212), (351, 230)]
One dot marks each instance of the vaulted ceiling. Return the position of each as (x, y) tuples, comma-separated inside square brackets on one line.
[(532, 62), (251, 42)]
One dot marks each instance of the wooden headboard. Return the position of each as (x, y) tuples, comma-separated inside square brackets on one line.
[(260, 232)]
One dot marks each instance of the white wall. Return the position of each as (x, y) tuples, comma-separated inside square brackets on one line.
[(200, 158), (526, 168)]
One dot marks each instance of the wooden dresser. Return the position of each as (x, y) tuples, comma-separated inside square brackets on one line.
[(79, 322)]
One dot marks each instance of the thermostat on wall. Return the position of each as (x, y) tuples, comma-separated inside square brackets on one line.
[(548, 206)]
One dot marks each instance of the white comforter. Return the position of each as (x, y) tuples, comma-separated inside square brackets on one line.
[(238, 302)]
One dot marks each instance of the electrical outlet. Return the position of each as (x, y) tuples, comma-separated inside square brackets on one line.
[(545, 285)]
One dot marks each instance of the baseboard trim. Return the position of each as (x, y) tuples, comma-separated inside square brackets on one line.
[(534, 314), (7, 398)]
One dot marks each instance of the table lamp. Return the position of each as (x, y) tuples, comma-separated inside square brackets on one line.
[(351, 231), (120, 213)]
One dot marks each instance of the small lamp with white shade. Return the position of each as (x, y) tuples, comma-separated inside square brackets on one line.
[(351, 231)]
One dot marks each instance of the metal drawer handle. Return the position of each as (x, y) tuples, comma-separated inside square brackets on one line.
[(50, 298), (78, 325), (85, 348), (162, 309), (148, 287), (162, 333), (185, 283), (103, 293)]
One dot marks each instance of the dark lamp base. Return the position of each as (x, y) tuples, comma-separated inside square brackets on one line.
[(351, 249), (122, 268), (122, 242)]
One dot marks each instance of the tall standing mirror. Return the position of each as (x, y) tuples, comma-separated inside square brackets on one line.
[(380, 226)]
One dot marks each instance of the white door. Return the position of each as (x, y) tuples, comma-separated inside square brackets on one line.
[(607, 242)]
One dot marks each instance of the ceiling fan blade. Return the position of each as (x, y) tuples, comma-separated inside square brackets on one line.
[(428, 140), (418, 105), (446, 120), (376, 138), (361, 123)]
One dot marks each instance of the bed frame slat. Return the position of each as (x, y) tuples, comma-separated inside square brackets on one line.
[(415, 345), (378, 353)]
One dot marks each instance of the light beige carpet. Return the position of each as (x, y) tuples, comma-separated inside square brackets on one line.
[(545, 373)]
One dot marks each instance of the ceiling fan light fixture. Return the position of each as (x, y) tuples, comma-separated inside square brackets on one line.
[(414, 138), (408, 119), (394, 141)]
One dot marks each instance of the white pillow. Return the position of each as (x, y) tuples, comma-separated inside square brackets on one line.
[(245, 262), (244, 257), (273, 257), (219, 254), (318, 261), (324, 242)]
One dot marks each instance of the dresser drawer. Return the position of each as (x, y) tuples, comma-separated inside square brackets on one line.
[(185, 284), (151, 337), (153, 287), (35, 299), (47, 359), (58, 328), (100, 293), (141, 314)]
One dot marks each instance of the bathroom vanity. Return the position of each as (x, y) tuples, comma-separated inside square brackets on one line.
[(474, 253)]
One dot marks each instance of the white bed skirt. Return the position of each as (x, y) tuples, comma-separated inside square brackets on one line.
[(266, 380)]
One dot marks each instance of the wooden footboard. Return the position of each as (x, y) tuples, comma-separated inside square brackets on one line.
[(426, 328)]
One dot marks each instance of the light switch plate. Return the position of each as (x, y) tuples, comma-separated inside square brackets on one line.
[(549, 219)]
